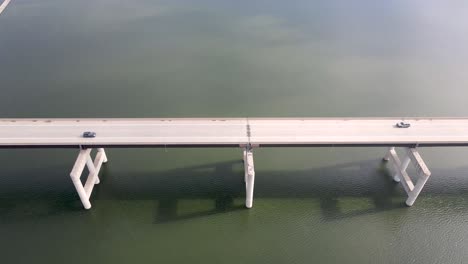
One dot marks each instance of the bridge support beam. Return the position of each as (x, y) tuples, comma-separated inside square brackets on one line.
[(84, 159), (249, 176), (423, 173)]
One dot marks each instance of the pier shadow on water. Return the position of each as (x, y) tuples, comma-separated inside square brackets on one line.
[(223, 184)]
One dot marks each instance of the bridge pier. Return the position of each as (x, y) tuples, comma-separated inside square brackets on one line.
[(423, 173), (84, 159), (249, 176)]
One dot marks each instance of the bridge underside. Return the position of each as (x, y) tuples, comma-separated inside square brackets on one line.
[(412, 156)]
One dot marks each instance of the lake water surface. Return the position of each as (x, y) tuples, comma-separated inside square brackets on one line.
[(207, 58)]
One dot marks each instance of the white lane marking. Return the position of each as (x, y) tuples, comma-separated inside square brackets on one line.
[(4, 5)]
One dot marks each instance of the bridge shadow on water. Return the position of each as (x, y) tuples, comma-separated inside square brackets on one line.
[(223, 184)]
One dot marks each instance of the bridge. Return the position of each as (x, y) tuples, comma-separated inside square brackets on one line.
[(244, 133)]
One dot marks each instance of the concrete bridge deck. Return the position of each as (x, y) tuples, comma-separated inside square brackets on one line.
[(234, 132)]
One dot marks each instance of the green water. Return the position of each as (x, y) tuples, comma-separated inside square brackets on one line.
[(104, 58)]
